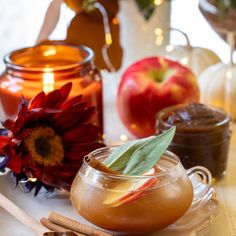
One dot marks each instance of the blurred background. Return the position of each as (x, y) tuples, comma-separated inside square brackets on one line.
[(21, 20)]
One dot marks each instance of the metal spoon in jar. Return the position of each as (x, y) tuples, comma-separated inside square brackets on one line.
[(27, 220)]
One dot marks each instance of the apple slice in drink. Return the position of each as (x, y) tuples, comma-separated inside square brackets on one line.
[(129, 190)]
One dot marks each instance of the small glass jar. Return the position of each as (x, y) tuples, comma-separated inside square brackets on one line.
[(47, 67), (202, 139)]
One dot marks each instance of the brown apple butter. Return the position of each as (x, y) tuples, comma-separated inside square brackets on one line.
[(202, 135)]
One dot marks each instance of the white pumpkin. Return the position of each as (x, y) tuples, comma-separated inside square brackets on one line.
[(197, 59), (218, 87)]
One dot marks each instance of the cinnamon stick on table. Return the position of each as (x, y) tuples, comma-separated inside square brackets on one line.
[(51, 226), (75, 225)]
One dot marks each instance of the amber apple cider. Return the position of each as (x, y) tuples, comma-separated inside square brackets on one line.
[(133, 205)]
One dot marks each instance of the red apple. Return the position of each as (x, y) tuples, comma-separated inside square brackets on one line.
[(130, 190), (149, 85)]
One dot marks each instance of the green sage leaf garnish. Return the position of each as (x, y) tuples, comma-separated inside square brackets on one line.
[(119, 158), (139, 156), (146, 156)]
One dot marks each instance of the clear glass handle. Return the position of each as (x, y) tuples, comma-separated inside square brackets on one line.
[(201, 171), (201, 179)]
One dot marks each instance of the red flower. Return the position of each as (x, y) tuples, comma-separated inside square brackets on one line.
[(50, 137)]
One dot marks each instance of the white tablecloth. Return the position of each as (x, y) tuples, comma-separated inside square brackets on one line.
[(224, 225)]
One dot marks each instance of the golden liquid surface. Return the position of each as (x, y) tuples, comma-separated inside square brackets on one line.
[(154, 209)]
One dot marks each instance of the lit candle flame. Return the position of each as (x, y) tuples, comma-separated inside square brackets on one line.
[(48, 82)]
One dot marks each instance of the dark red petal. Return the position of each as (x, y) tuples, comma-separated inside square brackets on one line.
[(84, 133), (50, 179), (37, 101), (71, 102), (15, 162), (23, 110), (69, 116), (19, 123), (88, 114), (31, 168), (75, 156), (35, 116), (79, 151), (85, 147), (8, 124), (61, 176), (83, 118), (65, 91), (3, 141), (53, 99), (66, 171), (43, 115), (22, 134), (20, 120)]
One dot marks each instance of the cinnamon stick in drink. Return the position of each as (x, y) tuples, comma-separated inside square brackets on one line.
[(99, 165), (75, 225)]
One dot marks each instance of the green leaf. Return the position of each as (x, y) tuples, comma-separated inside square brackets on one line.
[(146, 7), (118, 159), (146, 156), (233, 4)]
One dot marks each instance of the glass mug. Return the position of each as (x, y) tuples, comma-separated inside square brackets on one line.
[(134, 204)]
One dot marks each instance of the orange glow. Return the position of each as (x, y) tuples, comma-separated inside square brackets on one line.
[(115, 21)]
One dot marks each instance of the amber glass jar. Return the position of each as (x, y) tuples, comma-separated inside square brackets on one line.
[(202, 135), (47, 67)]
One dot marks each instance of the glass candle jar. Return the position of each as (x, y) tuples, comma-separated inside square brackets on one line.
[(47, 67), (202, 135)]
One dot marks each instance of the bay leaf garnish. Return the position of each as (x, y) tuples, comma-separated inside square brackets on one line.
[(138, 157)]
